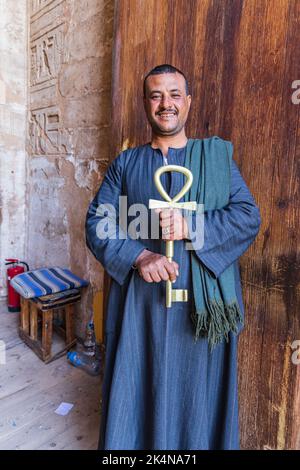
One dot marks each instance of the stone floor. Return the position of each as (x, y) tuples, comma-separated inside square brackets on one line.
[(30, 392)]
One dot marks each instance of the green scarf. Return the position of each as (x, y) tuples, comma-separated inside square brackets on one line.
[(216, 309)]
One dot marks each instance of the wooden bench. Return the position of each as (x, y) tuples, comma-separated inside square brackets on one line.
[(33, 313)]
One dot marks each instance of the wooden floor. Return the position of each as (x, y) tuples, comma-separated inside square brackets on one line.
[(30, 392)]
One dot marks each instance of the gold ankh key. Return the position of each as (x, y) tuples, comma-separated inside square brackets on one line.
[(173, 295)]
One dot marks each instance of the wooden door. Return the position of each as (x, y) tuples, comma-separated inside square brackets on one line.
[(241, 59)]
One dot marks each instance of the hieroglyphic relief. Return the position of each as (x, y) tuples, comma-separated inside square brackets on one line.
[(37, 5), (46, 135), (47, 56)]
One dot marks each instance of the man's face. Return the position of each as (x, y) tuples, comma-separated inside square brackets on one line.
[(166, 103)]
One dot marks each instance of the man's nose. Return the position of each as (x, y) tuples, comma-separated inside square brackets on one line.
[(166, 101)]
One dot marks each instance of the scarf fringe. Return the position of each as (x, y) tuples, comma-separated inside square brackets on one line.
[(218, 322)]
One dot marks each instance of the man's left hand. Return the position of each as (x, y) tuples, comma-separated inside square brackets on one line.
[(173, 224)]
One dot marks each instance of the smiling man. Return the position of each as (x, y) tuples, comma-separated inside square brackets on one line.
[(170, 379), (167, 104)]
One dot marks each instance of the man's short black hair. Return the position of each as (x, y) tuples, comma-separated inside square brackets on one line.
[(165, 68)]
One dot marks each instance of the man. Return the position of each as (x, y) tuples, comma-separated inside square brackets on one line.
[(162, 389)]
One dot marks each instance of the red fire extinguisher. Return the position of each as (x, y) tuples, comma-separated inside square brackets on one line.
[(13, 298)]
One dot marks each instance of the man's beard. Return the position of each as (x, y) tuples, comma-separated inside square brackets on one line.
[(158, 130)]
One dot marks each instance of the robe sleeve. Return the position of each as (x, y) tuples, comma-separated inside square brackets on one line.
[(116, 255), (228, 232)]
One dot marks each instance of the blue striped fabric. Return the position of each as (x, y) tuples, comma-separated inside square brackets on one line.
[(45, 281), (161, 390)]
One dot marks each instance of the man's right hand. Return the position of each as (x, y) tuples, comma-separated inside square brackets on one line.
[(154, 267)]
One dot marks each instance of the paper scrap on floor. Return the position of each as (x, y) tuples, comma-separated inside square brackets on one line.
[(63, 409)]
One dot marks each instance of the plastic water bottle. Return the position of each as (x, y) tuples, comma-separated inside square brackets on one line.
[(91, 365)]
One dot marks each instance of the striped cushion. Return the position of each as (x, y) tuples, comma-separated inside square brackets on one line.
[(46, 281)]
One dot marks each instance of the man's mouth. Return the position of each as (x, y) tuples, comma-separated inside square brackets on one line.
[(166, 115)]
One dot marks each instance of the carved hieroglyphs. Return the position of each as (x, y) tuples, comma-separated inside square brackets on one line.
[(47, 47), (68, 127)]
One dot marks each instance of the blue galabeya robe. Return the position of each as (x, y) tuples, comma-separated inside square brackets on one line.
[(161, 390)]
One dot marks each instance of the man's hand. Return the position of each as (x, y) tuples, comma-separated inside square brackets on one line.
[(154, 267), (173, 224)]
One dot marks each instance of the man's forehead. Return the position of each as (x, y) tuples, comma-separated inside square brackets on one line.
[(166, 80)]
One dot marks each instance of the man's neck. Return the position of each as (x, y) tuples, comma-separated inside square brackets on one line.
[(164, 142)]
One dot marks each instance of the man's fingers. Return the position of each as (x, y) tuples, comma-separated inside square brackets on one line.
[(146, 276), (171, 270), (168, 236), (155, 276), (158, 269), (166, 214), (166, 223), (176, 265)]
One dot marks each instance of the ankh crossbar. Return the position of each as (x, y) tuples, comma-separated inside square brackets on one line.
[(173, 295)]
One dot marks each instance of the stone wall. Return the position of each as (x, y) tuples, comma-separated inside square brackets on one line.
[(68, 136), (13, 101)]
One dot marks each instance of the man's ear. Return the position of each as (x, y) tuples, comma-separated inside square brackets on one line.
[(189, 98), (144, 101)]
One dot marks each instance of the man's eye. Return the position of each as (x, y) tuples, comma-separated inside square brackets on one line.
[(155, 96), (175, 96)]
